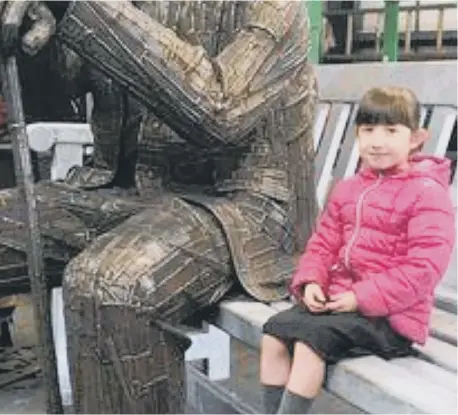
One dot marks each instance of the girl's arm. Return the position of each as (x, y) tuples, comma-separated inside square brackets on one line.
[(431, 237), (322, 248)]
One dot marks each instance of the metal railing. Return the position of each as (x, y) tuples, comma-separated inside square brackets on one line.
[(393, 38)]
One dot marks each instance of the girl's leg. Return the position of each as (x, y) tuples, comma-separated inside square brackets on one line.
[(305, 381), (275, 369)]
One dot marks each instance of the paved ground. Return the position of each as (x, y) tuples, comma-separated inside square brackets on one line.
[(244, 382), (27, 397)]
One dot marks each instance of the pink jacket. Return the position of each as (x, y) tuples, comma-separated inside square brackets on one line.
[(389, 238)]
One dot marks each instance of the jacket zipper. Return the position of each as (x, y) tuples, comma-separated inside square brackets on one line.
[(359, 208)]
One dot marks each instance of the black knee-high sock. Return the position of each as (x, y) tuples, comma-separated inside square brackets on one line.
[(294, 404), (271, 396)]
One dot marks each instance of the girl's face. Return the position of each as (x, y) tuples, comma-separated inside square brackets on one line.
[(385, 146)]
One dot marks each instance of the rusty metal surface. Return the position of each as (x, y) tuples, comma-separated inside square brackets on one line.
[(242, 147), (69, 220), (162, 264), (213, 126)]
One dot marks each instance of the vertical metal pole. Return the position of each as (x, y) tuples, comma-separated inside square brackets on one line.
[(408, 34), (24, 177), (315, 12), (390, 31), (349, 40), (440, 30), (417, 16)]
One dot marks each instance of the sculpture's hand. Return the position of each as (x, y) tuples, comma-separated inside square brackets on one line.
[(38, 21)]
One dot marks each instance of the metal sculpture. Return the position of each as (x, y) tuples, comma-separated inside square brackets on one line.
[(206, 110)]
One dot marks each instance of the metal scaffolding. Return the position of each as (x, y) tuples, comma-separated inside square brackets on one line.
[(390, 32)]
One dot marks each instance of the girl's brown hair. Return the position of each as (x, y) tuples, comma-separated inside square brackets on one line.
[(389, 106)]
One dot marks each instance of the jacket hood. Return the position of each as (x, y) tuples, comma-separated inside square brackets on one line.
[(422, 166)]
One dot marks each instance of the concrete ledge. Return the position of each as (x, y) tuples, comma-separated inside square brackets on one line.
[(370, 383), (344, 82), (377, 386)]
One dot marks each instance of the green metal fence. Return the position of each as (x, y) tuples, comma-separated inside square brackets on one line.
[(386, 43)]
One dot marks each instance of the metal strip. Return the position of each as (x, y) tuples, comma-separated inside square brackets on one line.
[(320, 122), (327, 154), (347, 148), (440, 126)]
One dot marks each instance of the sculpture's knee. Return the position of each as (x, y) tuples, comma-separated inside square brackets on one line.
[(80, 276), (103, 269), (162, 260)]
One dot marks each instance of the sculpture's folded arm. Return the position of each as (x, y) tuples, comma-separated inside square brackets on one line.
[(207, 101)]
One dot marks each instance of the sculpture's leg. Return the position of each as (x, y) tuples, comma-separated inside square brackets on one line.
[(121, 294), (63, 235), (69, 220)]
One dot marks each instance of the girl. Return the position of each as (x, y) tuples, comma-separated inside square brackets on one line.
[(365, 284)]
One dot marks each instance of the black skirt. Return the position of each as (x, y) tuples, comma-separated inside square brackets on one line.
[(335, 336)]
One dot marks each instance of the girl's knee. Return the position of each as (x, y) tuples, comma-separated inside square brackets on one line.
[(305, 353), (275, 361), (273, 346), (307, 372)]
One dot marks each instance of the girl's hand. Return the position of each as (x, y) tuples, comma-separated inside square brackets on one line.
[(314, 298), (343, 302)]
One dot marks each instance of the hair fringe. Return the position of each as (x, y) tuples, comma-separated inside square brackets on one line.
[(389, 106)]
